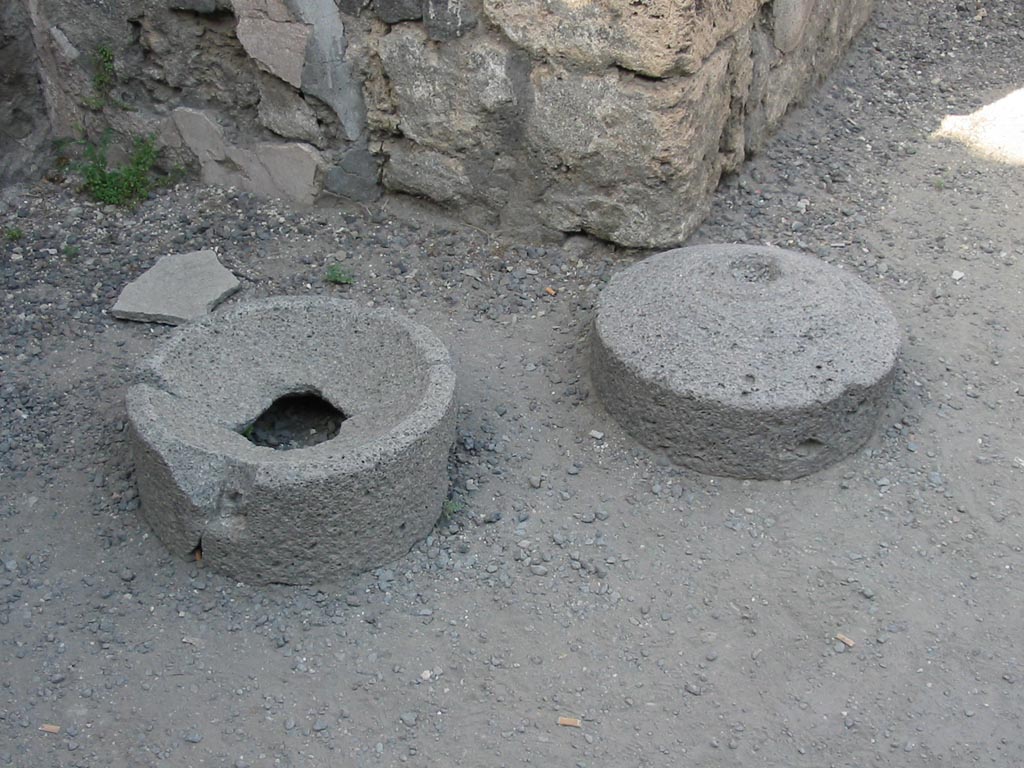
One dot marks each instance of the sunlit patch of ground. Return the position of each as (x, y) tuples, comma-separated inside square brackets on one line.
[(996, 131)]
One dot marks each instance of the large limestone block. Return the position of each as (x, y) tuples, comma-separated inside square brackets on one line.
[(630, 160), (444, 95), (656, 38), (428, 174), (286, 113), (292, 171), (609, 117), (289, 171), (273, 38), (201, 134)]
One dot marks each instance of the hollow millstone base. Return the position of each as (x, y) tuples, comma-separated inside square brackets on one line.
[(745, 361), (346, 505)]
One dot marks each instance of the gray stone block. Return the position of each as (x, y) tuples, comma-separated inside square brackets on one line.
[(356, 177), (746, 361), (24, 126), (321, 513), (448, 19), (328, 73), (394, 11), (180, 287)]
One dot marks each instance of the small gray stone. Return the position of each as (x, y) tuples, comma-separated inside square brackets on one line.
[(408, 719), (180, 287)]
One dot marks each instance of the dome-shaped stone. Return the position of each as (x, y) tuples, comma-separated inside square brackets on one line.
[(746, 361)]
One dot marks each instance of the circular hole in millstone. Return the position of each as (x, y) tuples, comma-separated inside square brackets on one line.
[(298, 420), (755, 268), (809, 448)]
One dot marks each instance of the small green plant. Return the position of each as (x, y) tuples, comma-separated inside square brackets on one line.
[(13, 234), (338, 275), (95, 103), (451, 508), (103, 79), (71, 251), (127, 185)]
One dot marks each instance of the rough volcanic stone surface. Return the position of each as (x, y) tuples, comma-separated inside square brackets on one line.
[(23, 119), (447, 19), (655, 38), (273, 38), (355, 177), (745, 361), (308, 515), (179, 288), (394, 11)]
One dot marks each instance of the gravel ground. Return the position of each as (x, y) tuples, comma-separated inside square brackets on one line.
[(574, 574)]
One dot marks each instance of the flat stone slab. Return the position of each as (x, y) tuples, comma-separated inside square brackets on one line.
[(179, 288), (746, 361), (319, 513)]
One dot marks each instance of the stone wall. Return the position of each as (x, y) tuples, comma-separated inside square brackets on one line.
[(24, 125), (610, 117)]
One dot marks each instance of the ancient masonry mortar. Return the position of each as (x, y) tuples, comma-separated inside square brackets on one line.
[(612, 117), (747, 361), (320, 513)]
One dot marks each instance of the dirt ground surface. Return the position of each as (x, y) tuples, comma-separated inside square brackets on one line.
[(679, 617)]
